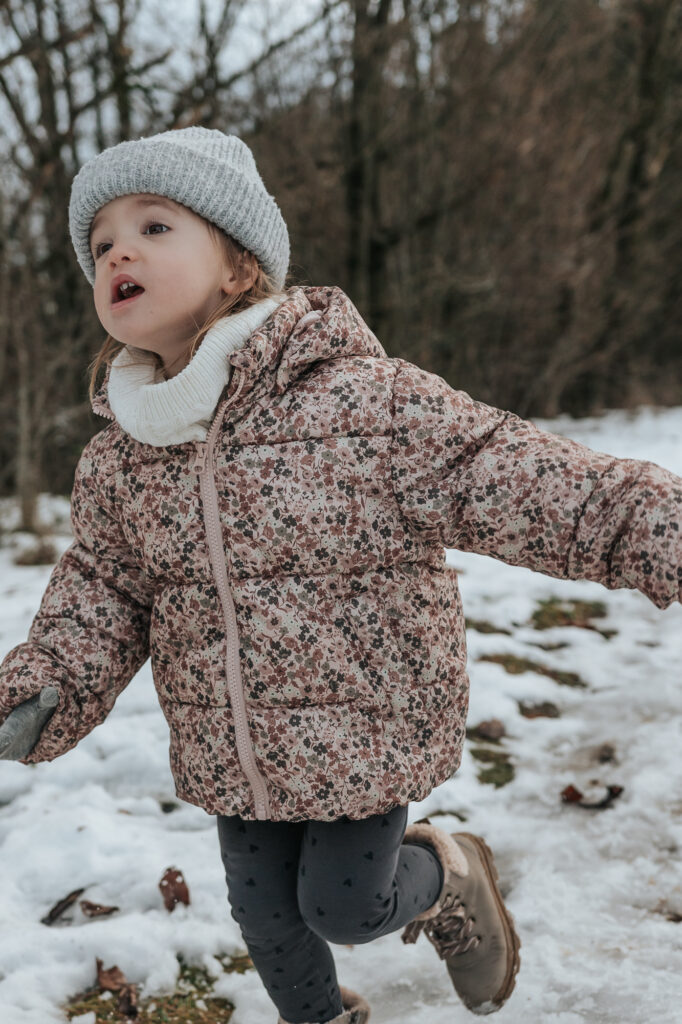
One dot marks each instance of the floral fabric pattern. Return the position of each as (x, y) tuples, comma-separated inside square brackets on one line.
[(342, 475)]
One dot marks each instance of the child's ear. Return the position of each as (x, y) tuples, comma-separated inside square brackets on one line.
[(249, 270), (229, 283)]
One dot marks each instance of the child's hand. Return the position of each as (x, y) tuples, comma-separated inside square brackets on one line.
[(20, 731)]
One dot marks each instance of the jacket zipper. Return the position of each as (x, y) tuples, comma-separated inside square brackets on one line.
[(203, 464)]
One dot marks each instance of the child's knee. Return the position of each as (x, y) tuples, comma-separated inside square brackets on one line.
[(341, 922), (264, 929), (336, 928)]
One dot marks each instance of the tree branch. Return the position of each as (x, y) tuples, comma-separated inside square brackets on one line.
[(33, 44)]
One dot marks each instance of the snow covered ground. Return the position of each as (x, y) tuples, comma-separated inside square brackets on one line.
[(591, 891)]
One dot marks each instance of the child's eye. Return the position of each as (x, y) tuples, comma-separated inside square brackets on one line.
[(99, 249)]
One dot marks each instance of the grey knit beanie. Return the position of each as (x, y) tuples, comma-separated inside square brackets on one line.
[(211, 173)]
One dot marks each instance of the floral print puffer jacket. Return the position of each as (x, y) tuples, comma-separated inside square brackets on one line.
[(288, 576)]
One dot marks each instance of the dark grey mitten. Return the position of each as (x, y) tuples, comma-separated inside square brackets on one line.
[(20, 731)]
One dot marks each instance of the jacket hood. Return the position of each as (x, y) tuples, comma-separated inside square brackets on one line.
[(312, 324)]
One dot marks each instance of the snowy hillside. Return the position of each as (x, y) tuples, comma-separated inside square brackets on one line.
[(596, 894)]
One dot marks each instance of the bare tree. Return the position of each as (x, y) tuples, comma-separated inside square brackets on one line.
[(607, 278), (495, 183), (75, 79)]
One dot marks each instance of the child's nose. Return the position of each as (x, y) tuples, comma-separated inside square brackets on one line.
[(122, 249)]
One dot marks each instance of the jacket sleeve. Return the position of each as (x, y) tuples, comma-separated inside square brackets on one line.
[(482, 479), (91, 632)]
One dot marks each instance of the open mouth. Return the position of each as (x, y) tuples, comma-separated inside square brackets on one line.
[(125, 293)]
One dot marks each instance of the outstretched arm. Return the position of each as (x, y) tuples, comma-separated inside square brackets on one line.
[(482, 479), (91, 633)]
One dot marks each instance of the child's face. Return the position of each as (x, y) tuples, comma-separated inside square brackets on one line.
[(167, 250)]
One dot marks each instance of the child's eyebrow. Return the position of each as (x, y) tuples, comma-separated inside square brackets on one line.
[(142, 201)]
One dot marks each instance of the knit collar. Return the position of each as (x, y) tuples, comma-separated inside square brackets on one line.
[(313, 324), (162, 412)]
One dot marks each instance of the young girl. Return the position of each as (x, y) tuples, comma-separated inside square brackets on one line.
[(266, 514)]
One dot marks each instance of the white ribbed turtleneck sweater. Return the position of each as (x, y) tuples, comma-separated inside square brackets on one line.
[(160, 412)]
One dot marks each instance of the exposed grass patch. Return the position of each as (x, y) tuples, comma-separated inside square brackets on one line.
[(544, 709), (43, 552), (492, 731), (550, 647), (191, 1003), (554, 612), (498, 770), (483, 626), (515, 666)]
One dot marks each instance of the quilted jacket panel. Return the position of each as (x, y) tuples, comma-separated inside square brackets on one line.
[(342, 474)]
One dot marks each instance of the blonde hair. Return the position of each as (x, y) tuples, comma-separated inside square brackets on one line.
[(246, 268)]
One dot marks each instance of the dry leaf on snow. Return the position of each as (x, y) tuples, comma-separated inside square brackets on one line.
[(571, 795), (96, 909), (62, 905), (114, 980), (174, 889)]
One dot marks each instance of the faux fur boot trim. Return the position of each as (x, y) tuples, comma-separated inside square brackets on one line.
[(359, 1007), (449, 853), (356, 1009)]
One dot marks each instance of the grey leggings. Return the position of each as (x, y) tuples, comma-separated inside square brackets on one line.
[(295, 886)]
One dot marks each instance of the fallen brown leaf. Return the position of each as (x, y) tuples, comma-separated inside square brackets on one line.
[(62, 905), (571, 795), (173, 889), (612, 792), (96, 909), (114, 980)]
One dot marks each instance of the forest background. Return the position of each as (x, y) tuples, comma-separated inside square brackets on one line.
[(495, 184)]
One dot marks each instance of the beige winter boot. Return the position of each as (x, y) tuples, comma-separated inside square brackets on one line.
[(355, 1009), (469, 925)]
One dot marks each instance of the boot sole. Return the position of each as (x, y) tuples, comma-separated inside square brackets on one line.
[(511, 937)]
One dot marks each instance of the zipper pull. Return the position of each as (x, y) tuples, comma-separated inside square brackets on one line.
[(198, 464)]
